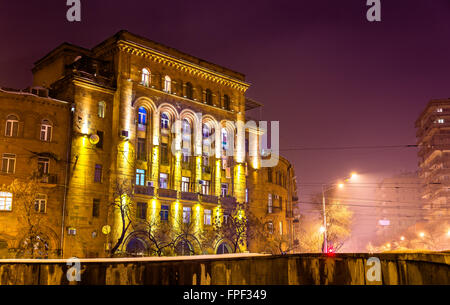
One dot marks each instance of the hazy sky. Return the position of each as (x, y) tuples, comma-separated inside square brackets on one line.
[(329, 76)]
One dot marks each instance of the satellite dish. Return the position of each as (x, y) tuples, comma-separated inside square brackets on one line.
[(106, 229), (94, 139)]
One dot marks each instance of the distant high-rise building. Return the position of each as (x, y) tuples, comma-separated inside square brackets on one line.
[(433, 138)]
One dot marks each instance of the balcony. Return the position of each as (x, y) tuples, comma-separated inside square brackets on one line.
[(209, 198), (189, 196), (228, 200), (167, 193), (144, 190), (49, 179)]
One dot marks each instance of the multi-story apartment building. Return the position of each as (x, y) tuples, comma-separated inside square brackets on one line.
[(151, 122), (400, 205), (433, 139)]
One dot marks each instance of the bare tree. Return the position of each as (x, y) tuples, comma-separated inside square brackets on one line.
[(31, 217), (122, 204)]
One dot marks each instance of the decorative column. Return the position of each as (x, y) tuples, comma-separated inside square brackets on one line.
[(156, 151)]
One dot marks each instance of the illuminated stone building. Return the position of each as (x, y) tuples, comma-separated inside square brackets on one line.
[(143, 113), (433, 138), (33, 139)]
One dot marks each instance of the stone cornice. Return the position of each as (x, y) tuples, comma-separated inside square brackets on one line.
[(182, 65)]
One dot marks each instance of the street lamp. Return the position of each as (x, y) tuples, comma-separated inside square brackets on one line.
[(326, 188)]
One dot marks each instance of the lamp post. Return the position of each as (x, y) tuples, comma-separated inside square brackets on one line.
[(352, 176)]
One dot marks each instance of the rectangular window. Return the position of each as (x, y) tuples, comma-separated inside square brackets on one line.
[(101, 109), (163, 180), (187, 214), (269, 174), (224, 189), (205, 187), (12, 128), (280, 203), (269, 204), (185, 181), (100, 139), (43, 164), (281, 228), (141, 149), (205, 160), (164, 212), (98, 173), (270, 227), (141, 211), (96, 208), (246, 195), (46, 132), (440, 121), (439, 110), (8, 163), (40, 203), (140, 176), (164, 154), (207, 217), (5, 201)]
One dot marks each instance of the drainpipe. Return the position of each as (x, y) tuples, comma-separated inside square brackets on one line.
[(69, 145)]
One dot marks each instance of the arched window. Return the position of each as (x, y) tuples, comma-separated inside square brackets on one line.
[(46, 131), (206, 131), (208, 97), (12, 126), (167, 84), (101, 109), (224, 139), (142, 116), (186, 128), (165, 122), (226, 102), (189, 91), (145, 77), (223, 248)]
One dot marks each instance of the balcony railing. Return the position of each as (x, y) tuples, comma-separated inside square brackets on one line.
[(167, 193), (228, 200), (49, 179), (209, 198), (189, 196), (144, 190)]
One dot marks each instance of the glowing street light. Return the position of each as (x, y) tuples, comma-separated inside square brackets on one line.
[(448, 233), (341, 185), (422, 234), (353, 176), (402, 238), (322, 229)]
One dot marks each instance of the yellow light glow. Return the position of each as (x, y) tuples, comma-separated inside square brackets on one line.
[(353, 176), (448, 232), (422, 234), (402, 238), (341, 185), (322, 229)]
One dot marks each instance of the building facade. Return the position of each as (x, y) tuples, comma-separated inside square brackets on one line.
[(149, 122), (433, 130)]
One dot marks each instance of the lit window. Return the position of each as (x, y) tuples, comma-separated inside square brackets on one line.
[(101, 109), (281, 228), (269, 204), (224, 139), (186, 129), (8, 163), (40, 203), (205, 187), (145, 77), (185, 184), (43, 164), (5, 201), (140, 176), (207, 217), (12, 126), (206, 131), (270, 227), (164, 213), (167, 84), (246, 195), (164, 121), (142, 116), (187, 214), (46, 131), (98, 173), (163, 180), (439, 110), (440, 121)]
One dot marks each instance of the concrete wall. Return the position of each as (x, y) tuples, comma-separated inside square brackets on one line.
[(236, 269)]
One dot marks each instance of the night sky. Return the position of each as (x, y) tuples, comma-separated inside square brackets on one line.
[(329, 76)]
